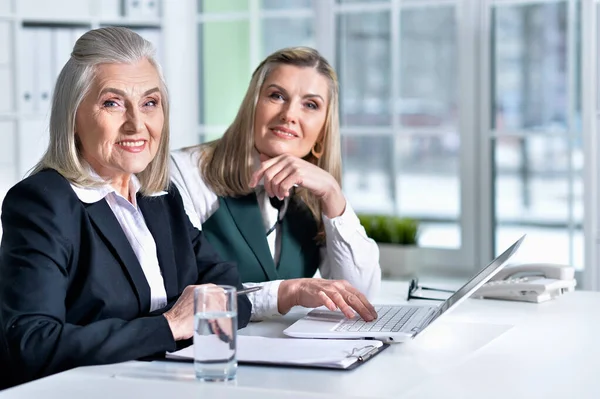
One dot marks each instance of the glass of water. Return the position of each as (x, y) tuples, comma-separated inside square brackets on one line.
[(215, 332)]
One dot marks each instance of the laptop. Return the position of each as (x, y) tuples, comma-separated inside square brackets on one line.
[(395, 323)]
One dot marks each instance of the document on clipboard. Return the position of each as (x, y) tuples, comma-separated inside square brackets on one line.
[(341, 354)]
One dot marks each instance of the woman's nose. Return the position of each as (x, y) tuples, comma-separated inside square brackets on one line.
[(289, 113), (134, 121)]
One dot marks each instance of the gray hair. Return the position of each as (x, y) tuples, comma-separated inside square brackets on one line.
[(99, 46)]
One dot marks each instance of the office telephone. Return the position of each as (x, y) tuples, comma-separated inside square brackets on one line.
[(535, 282)]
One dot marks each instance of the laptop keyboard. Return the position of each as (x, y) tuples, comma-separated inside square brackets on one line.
[(390, 319)]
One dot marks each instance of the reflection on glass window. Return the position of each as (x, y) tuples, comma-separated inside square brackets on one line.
[(532, 189), (367, 166), (538, 169), (428, 144), (361, 1), (428, 67), (428, 177), (364, 68), (224, 57), (298, 32), (286, 4), (530, 66), (214, 6)]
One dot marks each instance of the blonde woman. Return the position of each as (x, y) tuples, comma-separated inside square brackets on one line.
[(268, 194)]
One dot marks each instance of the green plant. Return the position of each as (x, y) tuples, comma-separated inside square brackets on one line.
[(391, 229)]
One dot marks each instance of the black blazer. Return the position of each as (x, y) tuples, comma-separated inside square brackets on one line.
[(72, 292)]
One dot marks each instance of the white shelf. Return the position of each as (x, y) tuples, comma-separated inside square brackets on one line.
[(80, 21), (133, 22)]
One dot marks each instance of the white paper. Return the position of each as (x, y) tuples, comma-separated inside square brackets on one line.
[(294, 351)]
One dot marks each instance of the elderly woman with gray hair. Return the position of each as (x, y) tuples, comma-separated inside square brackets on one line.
[(98, 260)]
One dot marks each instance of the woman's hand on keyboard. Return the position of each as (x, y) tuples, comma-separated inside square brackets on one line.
[(334, 294)]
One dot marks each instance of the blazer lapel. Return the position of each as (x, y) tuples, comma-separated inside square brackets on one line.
[(246, 215), (153, 209), (112, 233)]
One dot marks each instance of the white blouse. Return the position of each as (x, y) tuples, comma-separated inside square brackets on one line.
[(348, 254), (131, 220)]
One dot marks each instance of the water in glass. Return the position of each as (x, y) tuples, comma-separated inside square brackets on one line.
[(214, 345)]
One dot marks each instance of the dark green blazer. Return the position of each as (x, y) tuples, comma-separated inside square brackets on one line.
[(237, 232)]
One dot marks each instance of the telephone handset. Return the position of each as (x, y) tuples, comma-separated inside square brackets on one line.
[(535, 282)]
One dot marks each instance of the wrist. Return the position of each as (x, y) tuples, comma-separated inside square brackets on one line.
[(172, 326), (333, 203), (285, 296)]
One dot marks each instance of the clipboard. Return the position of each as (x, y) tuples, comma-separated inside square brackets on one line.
[(338, 354)]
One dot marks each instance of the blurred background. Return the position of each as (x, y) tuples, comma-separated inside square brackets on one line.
[(463, 114)]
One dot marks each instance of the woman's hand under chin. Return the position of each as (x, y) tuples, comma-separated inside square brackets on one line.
[(285, 171), (334, 294)]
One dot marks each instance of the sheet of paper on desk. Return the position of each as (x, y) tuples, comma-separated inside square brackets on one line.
[(286, 351)]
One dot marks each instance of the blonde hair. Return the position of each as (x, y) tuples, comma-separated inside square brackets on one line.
[(226, 163), (99, 46)]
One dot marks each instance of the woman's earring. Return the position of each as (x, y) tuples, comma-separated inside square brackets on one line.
[(319, 153)]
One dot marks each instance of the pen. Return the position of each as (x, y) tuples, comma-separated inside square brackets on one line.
[(363, 354), (249, 290), (372, 351)]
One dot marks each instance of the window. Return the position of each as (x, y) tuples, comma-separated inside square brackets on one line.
[(398, 69), (536, 131), (437, 123)]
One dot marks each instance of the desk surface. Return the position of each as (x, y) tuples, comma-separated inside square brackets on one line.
[(485, 348)]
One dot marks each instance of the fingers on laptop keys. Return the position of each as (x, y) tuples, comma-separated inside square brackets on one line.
[(341, 295)]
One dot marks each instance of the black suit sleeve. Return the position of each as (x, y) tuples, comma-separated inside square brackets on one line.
[(35, 255), (212, 269)]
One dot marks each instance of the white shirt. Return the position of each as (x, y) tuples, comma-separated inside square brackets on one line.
[(134, 226), (348, 254)]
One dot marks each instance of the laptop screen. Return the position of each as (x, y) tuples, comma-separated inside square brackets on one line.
[(477, 281)]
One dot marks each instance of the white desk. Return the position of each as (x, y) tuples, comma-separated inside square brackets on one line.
[(483, 349)]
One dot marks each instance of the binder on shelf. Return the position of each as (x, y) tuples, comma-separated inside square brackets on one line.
[(132, 8), (342, 354), (27, 70), (62, 45), (5, 43), (44, 9), (44, 70), (110, 9), (5, 7), (150, 8), (7, 97)]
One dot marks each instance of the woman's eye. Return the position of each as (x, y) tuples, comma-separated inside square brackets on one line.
[(151, 103), (312, 105), (276, 96), (110, 104)]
